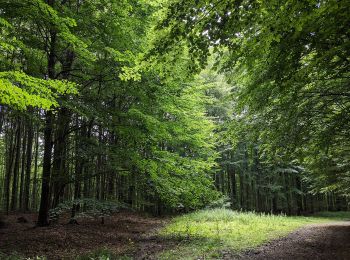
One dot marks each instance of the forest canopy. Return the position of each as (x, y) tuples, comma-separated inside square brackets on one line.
[(170, 106), (289, 63)]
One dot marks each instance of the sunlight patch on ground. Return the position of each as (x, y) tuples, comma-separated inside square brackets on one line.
[(208, 233)]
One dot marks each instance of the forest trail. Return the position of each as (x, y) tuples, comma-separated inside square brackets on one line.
[(317, 241)]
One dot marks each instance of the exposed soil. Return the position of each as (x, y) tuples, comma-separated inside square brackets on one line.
[(329, 241), (124, 233)]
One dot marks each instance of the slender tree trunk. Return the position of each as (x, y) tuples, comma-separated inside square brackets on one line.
[(98, 168), (247, 178), (299, 196), (49, 117), (45, 185), (79, 168), (2, 117), (35, 178), (9, 165), (28, 165), (14, 193), (59, 169), (59, 173), (232, 179), (21, 189), (86, 171), (287, 194)]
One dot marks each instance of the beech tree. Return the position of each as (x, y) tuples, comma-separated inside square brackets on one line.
[(289, 64), (168, 106)]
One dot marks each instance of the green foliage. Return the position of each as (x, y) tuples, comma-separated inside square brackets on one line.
[(21, 88), (178, 167), (288, 62), (21, 91), (151, 113)]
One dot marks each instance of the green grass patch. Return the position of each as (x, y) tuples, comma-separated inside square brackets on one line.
[(207, 233)]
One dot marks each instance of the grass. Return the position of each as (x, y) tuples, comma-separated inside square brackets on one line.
[(207, 233)]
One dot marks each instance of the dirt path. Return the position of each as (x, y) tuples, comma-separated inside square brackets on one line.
[(329, 241)]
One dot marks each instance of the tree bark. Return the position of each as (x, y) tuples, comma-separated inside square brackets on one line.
[(9, 165), (45, 185), (35, 178), (24, 145), (30, 136), (59, 173), (14, 193)]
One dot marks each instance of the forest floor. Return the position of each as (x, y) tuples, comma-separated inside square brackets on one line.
[(209, 234), (119, 235)]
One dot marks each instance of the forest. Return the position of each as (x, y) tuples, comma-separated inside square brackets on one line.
[(152, 109)]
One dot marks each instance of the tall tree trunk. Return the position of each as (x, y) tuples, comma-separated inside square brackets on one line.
[(10, 143), (241, 189), (2, 117), (45, 185), (14, 193), (79, 167), (24, 145), (28, 165), (257, 172), (87, 170), (247, 181), (232, 179), (59, 169), (35, 178), (59, 172)]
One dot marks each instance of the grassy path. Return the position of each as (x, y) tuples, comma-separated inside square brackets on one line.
[(213, 234)]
